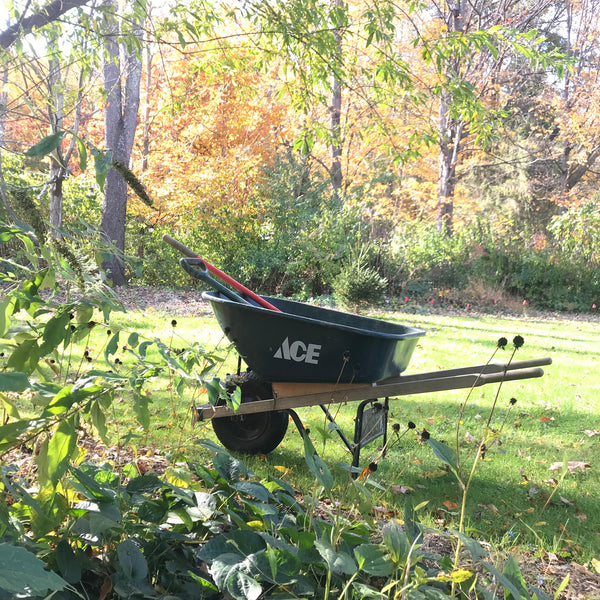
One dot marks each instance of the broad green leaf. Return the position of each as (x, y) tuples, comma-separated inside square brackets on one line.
[(13, 382), (243, 587), (563, 584), (214, 390), (476, 550), (60, 449), (41, 460), (6, 310), (373, 560), (253, 489), (144, 484), (10, 407), (235, 399), (25, 357), (513, 573), (153, 511), (444, 453), (132, 561), (67, 562), (141, 410), (112, 346), (61, 402), (99, 420), (316, 465), (133, 340), (223, 566), (46, 145), (396, 541), (204, 584), (52, 509), (102, 163), (510, 590), (82, 154), (55, 332), (337, 561), (367, 592), (144, 348), (10, 432), (411, 523), (24, 574)]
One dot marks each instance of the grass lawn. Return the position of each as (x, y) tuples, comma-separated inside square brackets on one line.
[(519, 499)]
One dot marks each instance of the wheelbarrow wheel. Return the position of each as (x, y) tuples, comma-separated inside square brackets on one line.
[(254, 433)]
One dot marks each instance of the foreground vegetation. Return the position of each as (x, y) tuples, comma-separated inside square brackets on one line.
[(88, 394)]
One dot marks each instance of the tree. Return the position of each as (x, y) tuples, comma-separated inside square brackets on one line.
[(122, 74), (473, 64)]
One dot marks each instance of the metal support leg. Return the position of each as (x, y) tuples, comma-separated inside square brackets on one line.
[(369, 425), (337, 428)]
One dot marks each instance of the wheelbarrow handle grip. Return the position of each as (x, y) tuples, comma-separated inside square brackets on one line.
[(226, 278), (189, 264), (179, 246)]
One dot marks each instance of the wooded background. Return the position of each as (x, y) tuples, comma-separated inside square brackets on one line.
[(439, 151)]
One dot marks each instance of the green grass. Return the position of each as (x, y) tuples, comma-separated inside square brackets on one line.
[(516, 498)]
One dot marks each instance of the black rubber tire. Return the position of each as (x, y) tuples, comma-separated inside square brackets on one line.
[(255, 433)]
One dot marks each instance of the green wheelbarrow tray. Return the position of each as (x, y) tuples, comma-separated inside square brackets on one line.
[(306, 343)]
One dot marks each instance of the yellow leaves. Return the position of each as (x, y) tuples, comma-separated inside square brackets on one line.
[(456, 576)]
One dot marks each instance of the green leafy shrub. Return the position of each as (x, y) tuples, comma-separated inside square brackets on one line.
[(83, 529), (358, 285)]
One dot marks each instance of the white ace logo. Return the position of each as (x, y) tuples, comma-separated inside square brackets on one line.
[(299, 352)]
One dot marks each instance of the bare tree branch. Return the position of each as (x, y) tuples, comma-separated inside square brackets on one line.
[(46, 15)]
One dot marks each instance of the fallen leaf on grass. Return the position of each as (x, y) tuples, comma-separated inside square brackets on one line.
[(450, 505), (402, 489), (491, 508), (572, 465), (596, 565), (545, 418), (591, 432), (580, 515)]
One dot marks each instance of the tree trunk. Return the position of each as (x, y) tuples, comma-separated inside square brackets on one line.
[(57, 170), (449, 133), (336, 115), (57, 177), (3, 103), (120, 117), (147, 104)]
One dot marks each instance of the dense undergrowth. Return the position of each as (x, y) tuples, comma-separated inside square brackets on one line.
[(76, 528)]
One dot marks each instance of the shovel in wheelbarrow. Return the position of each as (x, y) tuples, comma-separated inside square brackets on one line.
[(200, 268)]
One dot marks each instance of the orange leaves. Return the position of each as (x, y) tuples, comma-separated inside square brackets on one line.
[(210, 135)]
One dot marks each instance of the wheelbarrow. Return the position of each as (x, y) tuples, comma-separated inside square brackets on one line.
[(300, 355)]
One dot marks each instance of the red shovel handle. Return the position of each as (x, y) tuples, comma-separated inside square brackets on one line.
[(226, 278)]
